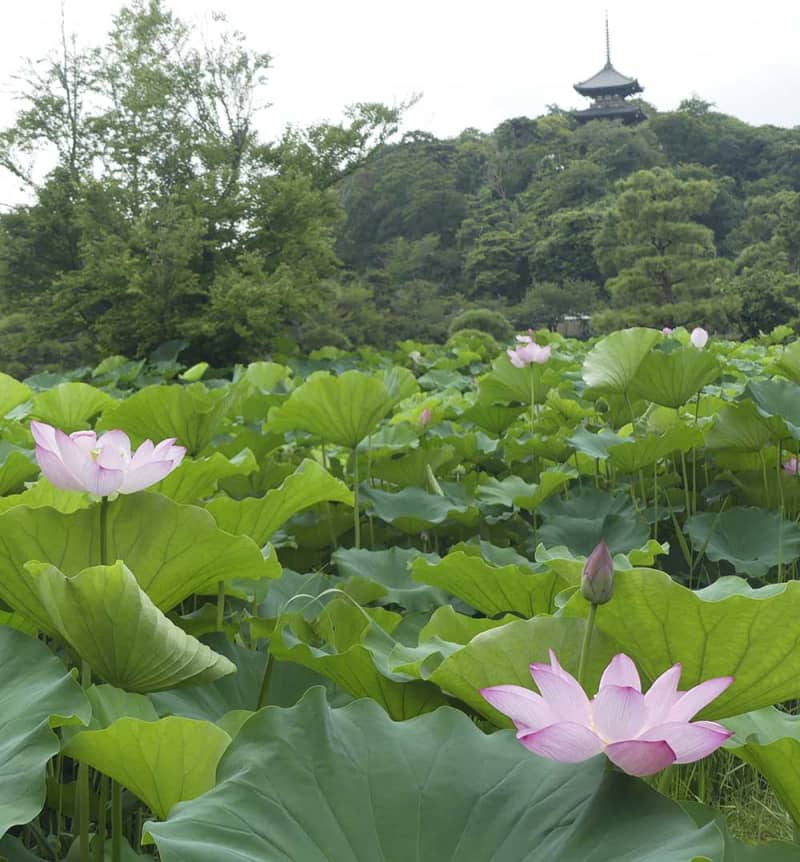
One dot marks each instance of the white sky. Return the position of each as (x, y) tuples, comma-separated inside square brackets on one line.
[(475, 62)]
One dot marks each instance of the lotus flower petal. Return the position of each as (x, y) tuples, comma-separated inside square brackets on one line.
[(690, 741), (563, 694), (618, 712), (566, 741), (641, 757), (663, 693), (692, 701), (139, 478), (524, 707), (621, 671)]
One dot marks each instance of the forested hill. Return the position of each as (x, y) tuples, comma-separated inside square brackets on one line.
[(690, 217), (166, 216)]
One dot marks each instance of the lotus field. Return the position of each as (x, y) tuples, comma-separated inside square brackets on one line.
[(488, 603)]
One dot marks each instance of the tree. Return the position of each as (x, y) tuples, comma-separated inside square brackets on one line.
[(652, 246)]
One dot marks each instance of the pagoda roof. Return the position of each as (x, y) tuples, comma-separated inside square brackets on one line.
[(622, 111), (608, 80)]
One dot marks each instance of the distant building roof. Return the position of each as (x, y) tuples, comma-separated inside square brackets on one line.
[(608, 80)]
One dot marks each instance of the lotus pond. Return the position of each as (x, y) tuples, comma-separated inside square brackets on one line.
[(301, 626)]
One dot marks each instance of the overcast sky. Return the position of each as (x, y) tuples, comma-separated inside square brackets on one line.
[(474, 62)]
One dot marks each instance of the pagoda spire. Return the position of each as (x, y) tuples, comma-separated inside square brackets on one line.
[(608, 44)]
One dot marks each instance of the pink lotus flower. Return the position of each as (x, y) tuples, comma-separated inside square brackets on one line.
[(699, 337), (792, 466), (667, 330), (103, 465), (640, 733), (425, 417), (527, 353)]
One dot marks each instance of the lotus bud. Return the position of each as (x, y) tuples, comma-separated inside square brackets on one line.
[(425, 417), (597, 583), (667, 330), (699, 337)]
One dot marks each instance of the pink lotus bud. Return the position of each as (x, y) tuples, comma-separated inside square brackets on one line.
[(425, 417), (667, 330), (597, 583), (699, 337), (791, 466)]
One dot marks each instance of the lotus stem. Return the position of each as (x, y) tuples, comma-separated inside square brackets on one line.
[(356, 513), (220, 623), (587, 642), (533, 397), (104, 561), (264, 690), (116, 821), (83, 783)]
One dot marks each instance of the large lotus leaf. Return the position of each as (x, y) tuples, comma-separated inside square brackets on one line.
[(198, 478), (16, 468), (504, 654), (769, 740), (192, 414), (788, 362), (321, 785), (725, 629), (12, 393), (779, 398), (506, 383), (37, 695), (629, 456), (413, 510), (612, 364), (109, 621), (342, 410), (753, 540), (494, 418), (411, 468), (595, 445), (173, 550), (514, 491), (400, 383), (384, 577), (570, 567), (70, 406), (260, 517), (672, 378), (161, 762), (352, 647), (211, 701), (491, 589), (739, 428), (43, 493)]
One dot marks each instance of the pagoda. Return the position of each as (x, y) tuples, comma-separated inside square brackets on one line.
[(608, 90)]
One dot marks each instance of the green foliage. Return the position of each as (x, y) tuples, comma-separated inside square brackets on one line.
[(491, 322)]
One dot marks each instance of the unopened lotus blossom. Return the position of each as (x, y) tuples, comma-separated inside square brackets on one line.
[(425, 417), (792, 466), (699, 337), (597, 580), (666, 330), (528, 353), (102, 465), (640, 733)]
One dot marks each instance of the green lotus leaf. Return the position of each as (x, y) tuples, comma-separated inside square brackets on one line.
[(38, 694), (612, 364), (12, 393), (725, 629), (595, 445), (494, 418), (43, 493), (779, 398), (514, 491), (369, 788), (739, 428), (70, 406), (491, 589), (195, 373), (384, 577), (110, 703), (161, 762), (769, 740), (630, 456), (108, 620), (173, 550), (505, 382), (752, 540), (788, 362), (260, 517), (192, 414), (341, 410), (413, 510), (16, 467), (198, 478), (589, 515), (353, 647), (411, 468), (672, 378), (570, 567)]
